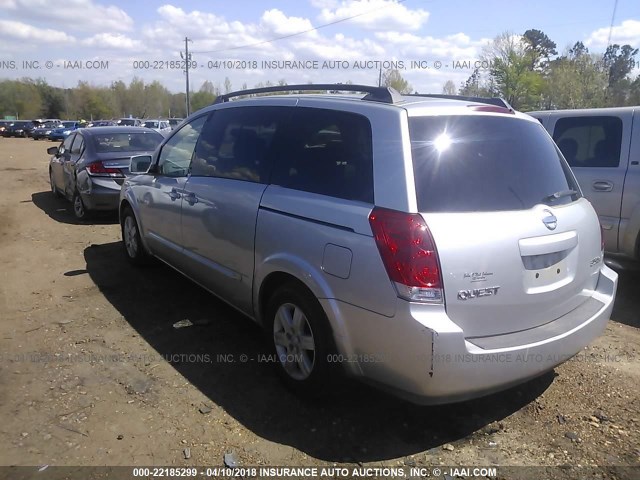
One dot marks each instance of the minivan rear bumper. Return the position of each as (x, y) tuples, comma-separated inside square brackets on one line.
[(422, 355)]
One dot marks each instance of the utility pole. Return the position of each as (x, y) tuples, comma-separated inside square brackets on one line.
[(187, 59), (380, 78)]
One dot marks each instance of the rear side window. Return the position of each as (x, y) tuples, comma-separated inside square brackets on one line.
[(589, 141), (327, 152), (476, 163), (78, 144)]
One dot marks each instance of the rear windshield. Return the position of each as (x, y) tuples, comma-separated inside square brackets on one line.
[(484, 163), (151, 124), (127, 142)]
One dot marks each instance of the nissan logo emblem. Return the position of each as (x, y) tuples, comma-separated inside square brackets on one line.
[(550, 221)]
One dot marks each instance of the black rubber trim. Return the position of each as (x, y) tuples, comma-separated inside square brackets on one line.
[(307, 219)]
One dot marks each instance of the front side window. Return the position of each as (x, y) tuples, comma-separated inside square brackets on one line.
[(589, 141), (176, 154), (237, 143), (328, 152), (481, 163)]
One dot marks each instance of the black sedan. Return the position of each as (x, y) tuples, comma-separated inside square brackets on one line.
[(19, 128), (91, 164)]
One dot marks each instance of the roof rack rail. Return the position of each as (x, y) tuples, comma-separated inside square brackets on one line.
[(374, 94), (497, 101)]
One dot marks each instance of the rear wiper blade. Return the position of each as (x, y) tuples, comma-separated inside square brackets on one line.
[(560, 194)]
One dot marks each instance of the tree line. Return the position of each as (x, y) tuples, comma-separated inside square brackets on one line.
[(526, 70)]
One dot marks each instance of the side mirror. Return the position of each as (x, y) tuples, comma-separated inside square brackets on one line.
[(53, 151), (139, 164)]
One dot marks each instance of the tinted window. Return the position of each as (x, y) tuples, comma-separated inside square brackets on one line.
[(485, 163), (176, 154), (328, 152), (589, 141), (78, 144), (236, 143), (68, 142), (151, 124), (127, 142)]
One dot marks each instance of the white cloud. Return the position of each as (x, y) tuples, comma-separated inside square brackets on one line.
[(277, 22), (376, 15), (452, 47), (324, 3), (82, 15), (628, 32), (338, 48), (29, 33), (207, 30), (116, 41)]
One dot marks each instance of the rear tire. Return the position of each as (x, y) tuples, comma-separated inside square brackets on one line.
[(300, 339), (133, 248), (79, 209)]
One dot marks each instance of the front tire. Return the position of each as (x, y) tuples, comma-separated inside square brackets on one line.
[(301, 339), (54, 189), (131, 241)]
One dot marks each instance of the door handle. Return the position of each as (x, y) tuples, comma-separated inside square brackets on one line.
[(191, 198), (174, 195), (601, 186)]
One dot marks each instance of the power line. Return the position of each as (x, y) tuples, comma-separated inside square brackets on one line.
[(613, 16), (300, 33)]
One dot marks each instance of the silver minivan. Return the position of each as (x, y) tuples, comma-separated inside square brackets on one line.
[(439, 247)]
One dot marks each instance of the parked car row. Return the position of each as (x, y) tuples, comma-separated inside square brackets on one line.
[(57, 130), (437, 246), (38, 129)]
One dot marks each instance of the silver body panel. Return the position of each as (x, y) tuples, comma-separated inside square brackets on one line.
[(230, 236)]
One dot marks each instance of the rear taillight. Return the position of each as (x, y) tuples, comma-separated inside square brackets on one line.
[(409, 254), (97, 169)]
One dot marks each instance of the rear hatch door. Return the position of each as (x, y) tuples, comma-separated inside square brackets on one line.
[(518, 245)]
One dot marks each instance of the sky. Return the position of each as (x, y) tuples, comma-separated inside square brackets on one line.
[(429, 41)]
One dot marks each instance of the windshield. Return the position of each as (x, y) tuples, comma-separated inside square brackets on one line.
[(151, 124), (127, 121), (68, 124), (127, 142), (486, 163)]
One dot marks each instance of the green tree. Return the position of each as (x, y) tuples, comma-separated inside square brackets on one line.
[(477, 86), (510, 60), (201, 99), (577, 79), (392, 78), (539, 47), (449, 88), (618, 62)]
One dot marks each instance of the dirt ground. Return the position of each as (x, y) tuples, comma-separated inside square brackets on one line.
[(93, 372)]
